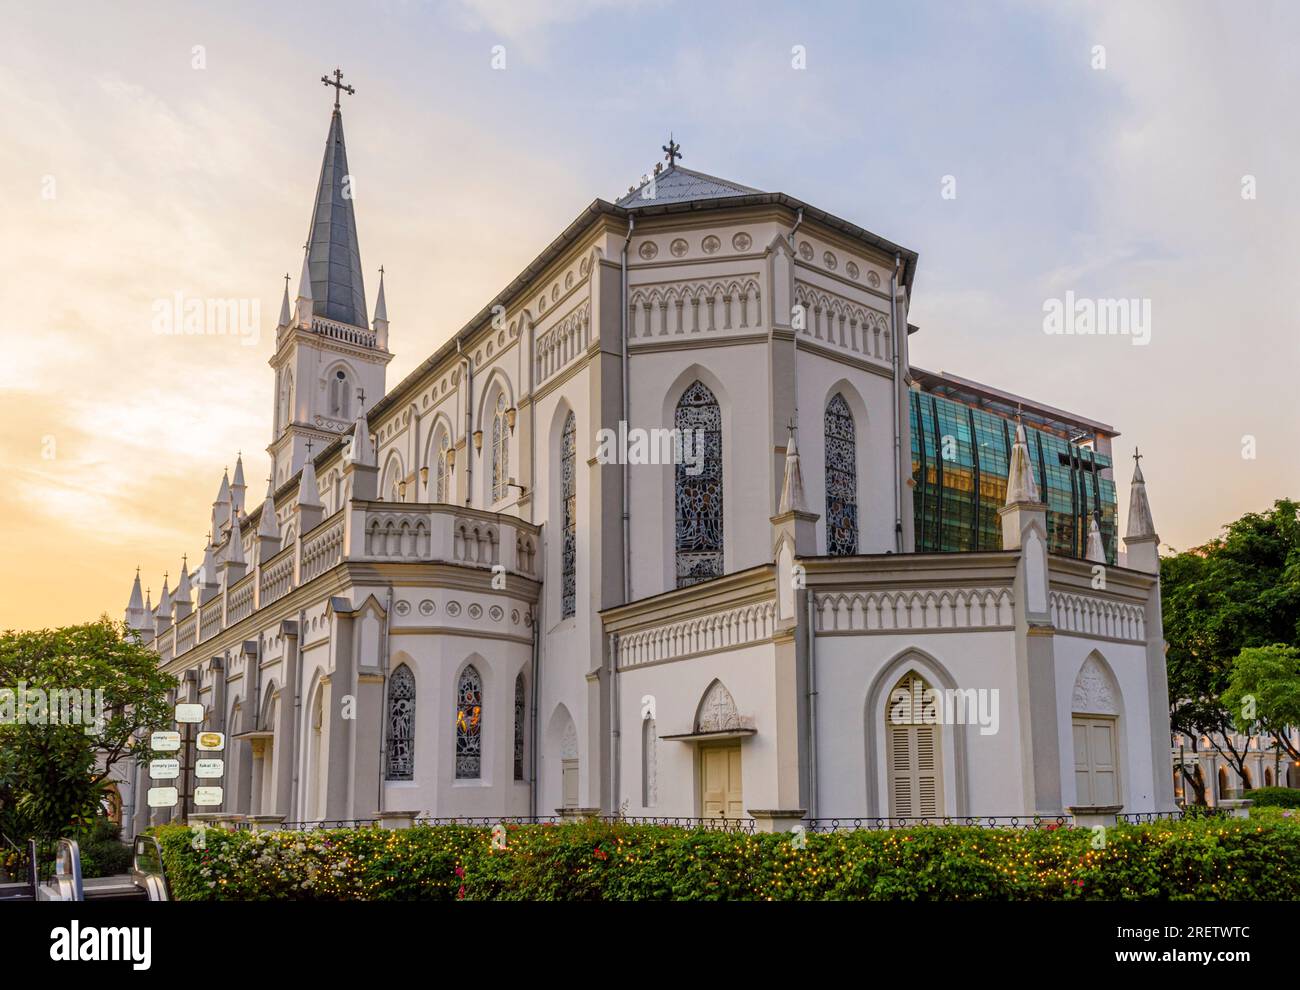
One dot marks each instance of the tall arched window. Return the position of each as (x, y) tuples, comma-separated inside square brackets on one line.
[(401, 725), (440, 485), (469, 725), (699, 495), (841, 479), (500, 450), (520, 709), (340, 395), (569, 499), (649, 763)]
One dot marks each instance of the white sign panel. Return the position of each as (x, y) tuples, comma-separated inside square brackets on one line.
[(207, 796), (209, 769), (163, 797), (164, 769), (165, 742), (211, 742), (189, 713)]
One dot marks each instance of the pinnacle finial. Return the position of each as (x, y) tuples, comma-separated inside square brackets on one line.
[(672, 151), (339, 88)]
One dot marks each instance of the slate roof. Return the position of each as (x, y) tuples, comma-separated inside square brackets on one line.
[(334, 259), (680, 185)]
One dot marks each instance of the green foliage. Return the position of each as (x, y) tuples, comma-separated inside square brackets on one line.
[(1264, 688), (103, 854), (1207, 859), (53, 774), (1275, 797)]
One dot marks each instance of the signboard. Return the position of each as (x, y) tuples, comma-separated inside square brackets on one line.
[(165, 742), (207, 796), (164, 769), (189, 713), (163, 797), (211, 742), (209, 769)]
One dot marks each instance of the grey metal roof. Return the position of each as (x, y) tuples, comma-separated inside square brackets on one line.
[(334, 259), (679, 185)]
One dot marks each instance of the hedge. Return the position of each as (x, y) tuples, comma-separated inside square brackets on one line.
[(1217, 859), (1274, 797)]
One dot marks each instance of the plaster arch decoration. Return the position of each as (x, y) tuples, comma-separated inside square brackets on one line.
[(394, 472), (716, 711), (1095, 689)]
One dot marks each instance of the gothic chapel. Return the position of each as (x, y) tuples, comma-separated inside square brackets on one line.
[(446, 605)]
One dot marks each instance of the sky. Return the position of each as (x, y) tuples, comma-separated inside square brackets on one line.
[(1109, 150)]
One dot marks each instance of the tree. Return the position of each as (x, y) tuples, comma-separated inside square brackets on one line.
[(1239, 591), (1264, 691), (71, 700)]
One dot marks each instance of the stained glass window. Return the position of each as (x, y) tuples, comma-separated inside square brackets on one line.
[(699, 495), (569, 496), (440, 489), (841, 479), (401, 724), (500, 451), (519, 727), (469, 724)]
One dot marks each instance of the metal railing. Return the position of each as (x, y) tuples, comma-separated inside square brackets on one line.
[(1048, 822)]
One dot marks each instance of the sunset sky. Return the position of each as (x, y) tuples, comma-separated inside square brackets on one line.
[(151, 149)]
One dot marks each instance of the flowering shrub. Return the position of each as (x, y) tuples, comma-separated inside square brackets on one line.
[(1229, 859)]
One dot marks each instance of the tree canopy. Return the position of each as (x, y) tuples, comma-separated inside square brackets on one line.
[(70, 701)]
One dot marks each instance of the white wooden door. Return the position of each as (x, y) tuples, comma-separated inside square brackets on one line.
[(1096, 777), (569, 783), (721, 795)]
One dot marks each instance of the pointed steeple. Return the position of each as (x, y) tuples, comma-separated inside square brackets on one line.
[(380, 324), (286, 313), (235, 550), (183, 587), (360, 449), (1140, 523), (1021, 486), (220, 507), (1096, 549), (163, 618), (268, 525), (308, 486), (337, 290), (1140, 539), (304, 305), (792, 491), (237, 487), (135, 606)]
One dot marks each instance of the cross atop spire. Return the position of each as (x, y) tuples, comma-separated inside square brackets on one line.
[(339, 88), (672, 151), (1136, 455)]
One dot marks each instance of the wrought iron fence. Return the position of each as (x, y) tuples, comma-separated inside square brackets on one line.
[(978, 821)]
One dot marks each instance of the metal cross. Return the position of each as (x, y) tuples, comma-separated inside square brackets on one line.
[(361, 392), (1136, 456), (309, 446), (673, 151), (339, 88)]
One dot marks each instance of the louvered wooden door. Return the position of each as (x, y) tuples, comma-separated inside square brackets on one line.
[(915, 783), (720, 782), (1096, 780)]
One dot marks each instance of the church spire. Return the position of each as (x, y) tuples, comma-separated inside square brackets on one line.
[(286, 313), (237, 487), (135, 607), (792, 493), (268, 525), (337, 291), (1021, 486), (1096, 549), (1140, 538)]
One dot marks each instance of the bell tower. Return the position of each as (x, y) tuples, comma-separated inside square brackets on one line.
[(329, 357)]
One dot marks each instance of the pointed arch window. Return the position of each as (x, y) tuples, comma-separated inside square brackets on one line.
[(440, 485), (401, 724), (519, 726), (500, 450), (699, 495), (286, 398), (913, 749), (569, 499), (469, 724), (841, 479)]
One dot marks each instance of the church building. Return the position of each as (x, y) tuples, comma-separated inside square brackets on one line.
[(671, 528)]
